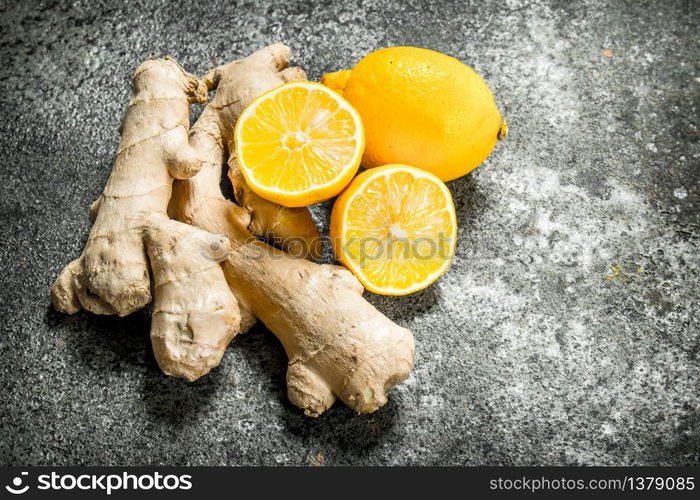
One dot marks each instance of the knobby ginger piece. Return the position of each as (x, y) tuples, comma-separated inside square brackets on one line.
[(195, 313)]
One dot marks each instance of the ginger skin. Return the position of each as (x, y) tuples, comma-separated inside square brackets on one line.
[(339, 346), (190, 288), (292, 229), (130, 225)]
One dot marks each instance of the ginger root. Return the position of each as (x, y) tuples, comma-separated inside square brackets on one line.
[(195, 315), (190, 330), (292, 229), (339, 346)]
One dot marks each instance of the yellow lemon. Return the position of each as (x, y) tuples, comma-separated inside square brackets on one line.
[(422, 108), (298, 144), (395, 228)]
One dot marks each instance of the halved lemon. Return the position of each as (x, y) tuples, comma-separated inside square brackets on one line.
[(395, 228), (299, 143)]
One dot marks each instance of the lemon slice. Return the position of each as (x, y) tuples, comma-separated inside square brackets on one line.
[(395, 228), (299, 143)]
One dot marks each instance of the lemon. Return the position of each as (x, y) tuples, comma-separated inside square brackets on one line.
[(422, 108), (395, 228), (299, 144)]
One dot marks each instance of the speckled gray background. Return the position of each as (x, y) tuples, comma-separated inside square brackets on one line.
[(565, 333)]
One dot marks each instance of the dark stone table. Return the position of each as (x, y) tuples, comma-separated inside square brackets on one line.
[(566, 331)]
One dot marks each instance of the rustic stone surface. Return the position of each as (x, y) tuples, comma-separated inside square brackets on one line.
[(566, 331)]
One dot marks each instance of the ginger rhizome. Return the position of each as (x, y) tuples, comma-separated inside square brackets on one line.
[(195, 313), (292, 229), (339, 346)]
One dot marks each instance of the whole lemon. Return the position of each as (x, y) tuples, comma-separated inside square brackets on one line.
[(422, 108)]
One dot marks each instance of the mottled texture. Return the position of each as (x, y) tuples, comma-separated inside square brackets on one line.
[(565, 333)]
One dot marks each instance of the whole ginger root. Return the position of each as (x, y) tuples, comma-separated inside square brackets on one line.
[(130, 225), (339, 346)]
